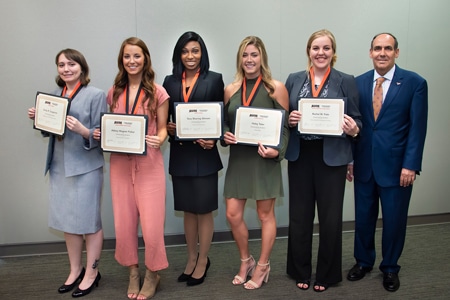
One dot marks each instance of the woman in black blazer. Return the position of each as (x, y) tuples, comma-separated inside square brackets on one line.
[(194, 165)]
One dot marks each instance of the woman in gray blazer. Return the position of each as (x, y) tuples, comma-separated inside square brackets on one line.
[(75, 164), (317, 166)]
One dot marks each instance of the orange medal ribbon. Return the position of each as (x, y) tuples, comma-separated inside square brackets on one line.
[(74, 91), (187, 94), (315, 91), (246, 101), (137, 101)]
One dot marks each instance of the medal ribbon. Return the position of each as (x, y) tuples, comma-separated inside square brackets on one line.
[(187, 94), (139, 96), (75, 91), (245, 101), (315, 91)]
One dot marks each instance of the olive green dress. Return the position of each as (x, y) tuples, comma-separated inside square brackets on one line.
[(249, 176)]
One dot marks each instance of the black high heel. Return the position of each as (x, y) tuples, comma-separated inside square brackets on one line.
[(185, 277), (68, 287), (195, 281), (80, 293)]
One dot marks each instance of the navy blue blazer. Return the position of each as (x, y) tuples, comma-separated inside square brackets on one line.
[(188, 158), (396, 140), (337, 151)]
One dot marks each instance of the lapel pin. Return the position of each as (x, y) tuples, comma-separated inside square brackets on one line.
[(398, 83)]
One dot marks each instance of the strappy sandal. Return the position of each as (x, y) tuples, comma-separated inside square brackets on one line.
[(238, 280), (252, 285)]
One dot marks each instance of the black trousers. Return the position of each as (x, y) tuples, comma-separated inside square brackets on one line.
[(311, 183)]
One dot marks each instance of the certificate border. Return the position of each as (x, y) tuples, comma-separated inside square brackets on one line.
[(40, 96), (342, 105), (219, 121), (143, 147), (254, 142)]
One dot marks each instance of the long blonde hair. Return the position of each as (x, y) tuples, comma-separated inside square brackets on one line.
[(265, 70)]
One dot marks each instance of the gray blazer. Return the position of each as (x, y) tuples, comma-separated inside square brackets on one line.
[(81, 155), (337, 151)]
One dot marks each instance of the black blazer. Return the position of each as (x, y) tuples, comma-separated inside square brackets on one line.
[(186, 157), (337, 151)]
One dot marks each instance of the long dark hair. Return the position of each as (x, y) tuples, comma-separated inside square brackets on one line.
[(185, 38)]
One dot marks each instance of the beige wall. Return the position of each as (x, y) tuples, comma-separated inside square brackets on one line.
[(32, 32)]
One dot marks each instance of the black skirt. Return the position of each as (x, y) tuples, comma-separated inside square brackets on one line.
[(197, 195)]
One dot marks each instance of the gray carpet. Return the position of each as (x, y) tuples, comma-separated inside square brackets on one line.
[(424, 273)]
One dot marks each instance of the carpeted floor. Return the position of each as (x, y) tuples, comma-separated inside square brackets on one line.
[(424, 273)]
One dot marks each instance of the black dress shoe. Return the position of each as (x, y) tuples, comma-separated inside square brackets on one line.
[(358, 272), (391, 283), (184, 277), (195, 281), (68, 287), (80, 293)]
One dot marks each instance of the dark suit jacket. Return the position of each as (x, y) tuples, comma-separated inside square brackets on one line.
[(186, 157), (337, 151), (396, 140)]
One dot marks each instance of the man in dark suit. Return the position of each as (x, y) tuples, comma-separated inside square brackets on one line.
[(387, 157)]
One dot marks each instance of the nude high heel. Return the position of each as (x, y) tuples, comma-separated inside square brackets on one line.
[(252, 285), (238, 280), (134, 284), (151, 284)]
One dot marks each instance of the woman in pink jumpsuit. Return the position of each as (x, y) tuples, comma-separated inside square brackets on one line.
[(138, 184)]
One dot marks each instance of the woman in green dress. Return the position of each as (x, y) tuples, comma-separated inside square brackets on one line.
[(254, 171)]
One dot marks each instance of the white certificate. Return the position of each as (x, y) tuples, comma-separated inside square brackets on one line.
[(255, 125), (198, 120), (51, 112), (123, 133), (321, 116)]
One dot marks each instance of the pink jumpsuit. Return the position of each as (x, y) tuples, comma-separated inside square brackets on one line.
[(138, 190)]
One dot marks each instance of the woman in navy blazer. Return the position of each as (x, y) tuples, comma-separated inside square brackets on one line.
[(194, 165), (317, 167)]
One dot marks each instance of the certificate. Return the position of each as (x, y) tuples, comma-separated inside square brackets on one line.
[(198, 120), (123, 133), (255, 125), (51, 112), (321, 116)]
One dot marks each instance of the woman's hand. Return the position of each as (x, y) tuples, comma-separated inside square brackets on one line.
[(31, 113), (76, 126), (153, 141), (349, 126), (229, 138), (294, 118), (206, 144), (171, 128), (96, 134), (267, 152)]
